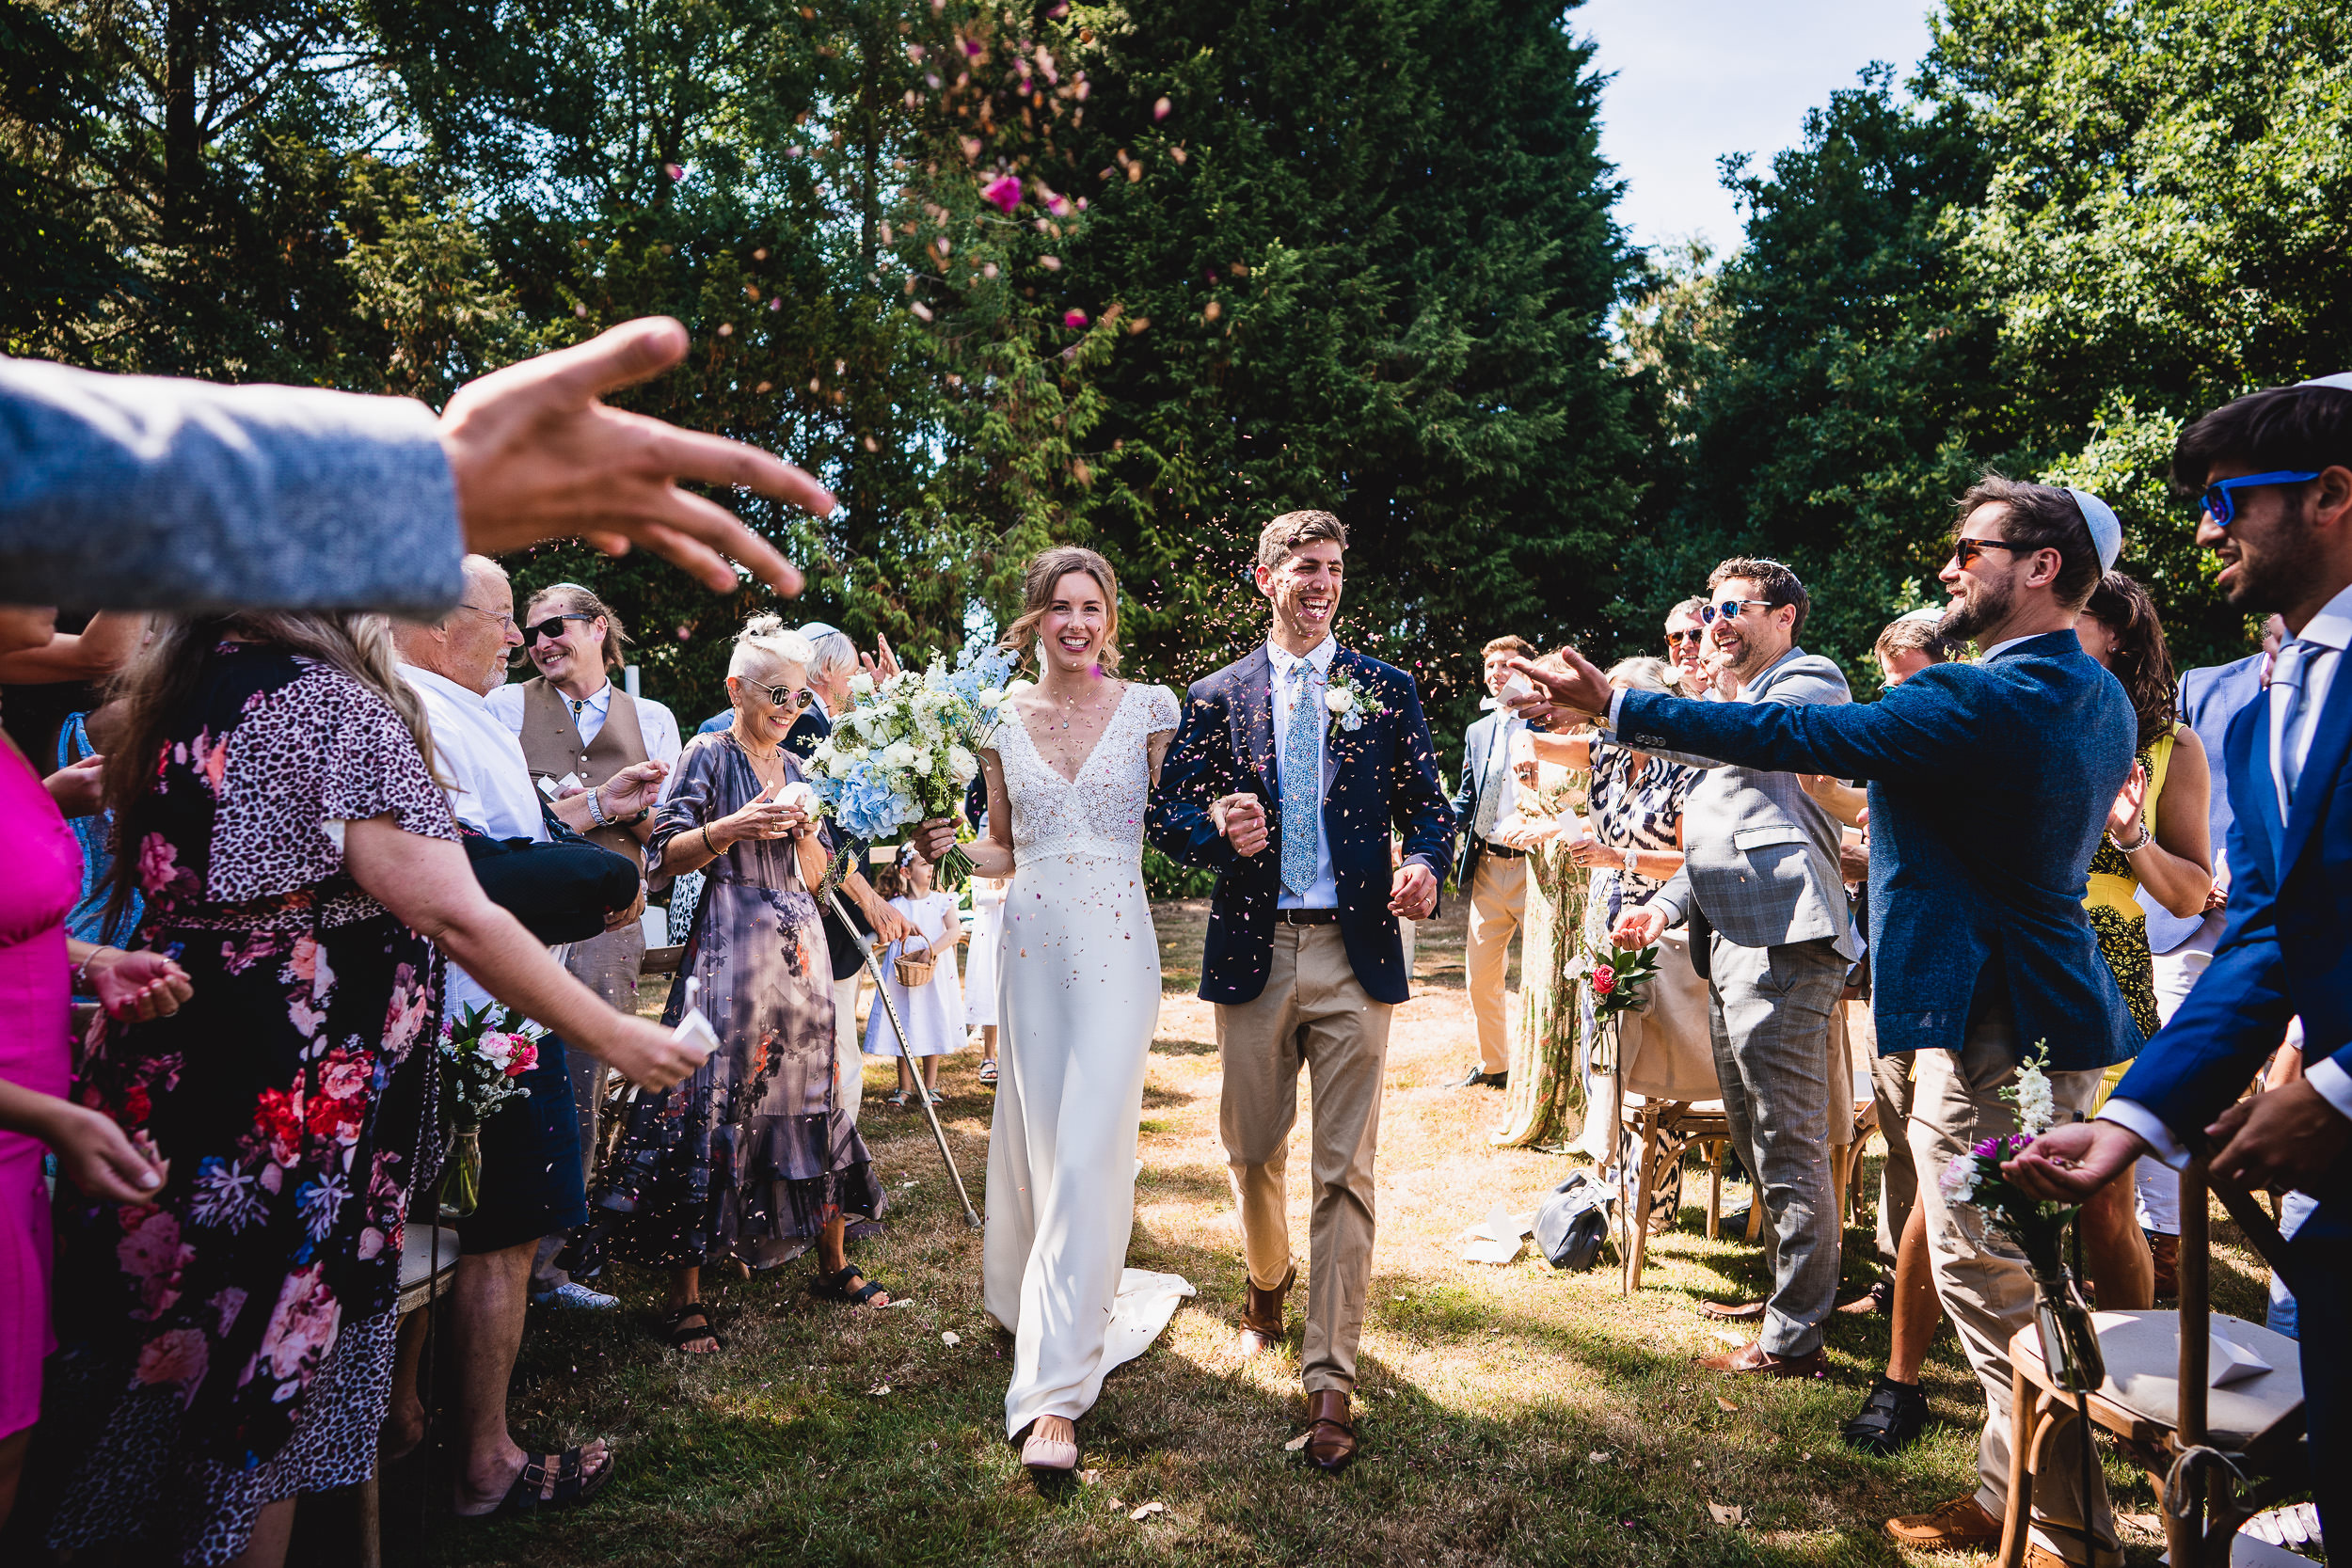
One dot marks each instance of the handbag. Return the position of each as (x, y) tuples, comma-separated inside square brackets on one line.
[(1572, 1222)]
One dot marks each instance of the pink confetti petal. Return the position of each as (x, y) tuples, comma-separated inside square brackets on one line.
[(1003, 191), (1073, 318), (675, 171), (1051, 263), (1162, 109)]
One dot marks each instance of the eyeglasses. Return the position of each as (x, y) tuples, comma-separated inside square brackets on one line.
[(1729, 609), (799, 697), (551, 628), (505, 621), (2222, 503), (1966, 550), (1677, 639)]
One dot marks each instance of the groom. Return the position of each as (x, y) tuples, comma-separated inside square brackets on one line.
[(1287, 772)]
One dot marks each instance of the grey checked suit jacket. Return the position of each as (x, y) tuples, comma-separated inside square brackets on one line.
[(1759, 854), (141, 493)]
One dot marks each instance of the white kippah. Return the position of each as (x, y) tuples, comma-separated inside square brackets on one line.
[(1925, 612), (2342, 381), (2107, 534)]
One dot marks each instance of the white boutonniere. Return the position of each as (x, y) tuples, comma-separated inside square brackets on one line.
[(1345, 700)]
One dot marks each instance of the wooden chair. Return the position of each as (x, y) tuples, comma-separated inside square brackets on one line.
[(428, 1263), (2196, 1442), (1652, 1121)]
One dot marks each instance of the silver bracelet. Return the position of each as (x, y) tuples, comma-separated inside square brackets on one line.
[(596, 809)]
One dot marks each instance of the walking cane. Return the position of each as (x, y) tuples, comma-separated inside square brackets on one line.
[(881, 994)]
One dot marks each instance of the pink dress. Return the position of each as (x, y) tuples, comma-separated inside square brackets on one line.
[(44, 878)]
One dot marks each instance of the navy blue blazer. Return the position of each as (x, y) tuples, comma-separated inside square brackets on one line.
[(1477, 742), (1384, 773), (2287, 948), (1990, 786)]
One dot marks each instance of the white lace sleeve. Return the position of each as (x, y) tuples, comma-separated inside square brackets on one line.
[(1160, 709)]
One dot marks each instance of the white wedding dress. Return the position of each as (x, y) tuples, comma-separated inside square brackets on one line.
[(1078, 986)]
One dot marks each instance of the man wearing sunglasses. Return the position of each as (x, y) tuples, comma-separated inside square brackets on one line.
[(1686, 641), (1761, 876), (2276, 469), (578, 729), (1990, 785)]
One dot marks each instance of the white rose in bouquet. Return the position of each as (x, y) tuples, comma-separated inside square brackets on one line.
[(961, 764), (861, 685), (897, 755)]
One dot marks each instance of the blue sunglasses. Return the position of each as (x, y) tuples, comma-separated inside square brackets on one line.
[(2223, 504)]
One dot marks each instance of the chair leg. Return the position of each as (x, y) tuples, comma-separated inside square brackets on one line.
[(1755, 1208), (1840, 1162), (372, 1520), (2019, 1515), (1714, 1188), (1643, 1184)]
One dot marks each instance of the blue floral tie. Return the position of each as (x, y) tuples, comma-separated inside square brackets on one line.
[(1301, 785)]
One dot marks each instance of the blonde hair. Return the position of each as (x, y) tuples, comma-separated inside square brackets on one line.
[(765, 643), (1046, 570), (1640, 673)]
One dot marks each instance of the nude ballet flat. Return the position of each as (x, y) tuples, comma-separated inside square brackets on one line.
[(1038, 1453)]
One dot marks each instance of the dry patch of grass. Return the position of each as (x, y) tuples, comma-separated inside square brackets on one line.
[(1512, 1415)]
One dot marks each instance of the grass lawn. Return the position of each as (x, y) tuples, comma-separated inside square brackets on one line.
[(1508, 1415)]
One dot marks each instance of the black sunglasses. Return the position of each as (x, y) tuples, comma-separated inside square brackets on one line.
[(551, 628), (780, 695), (1966, 550)]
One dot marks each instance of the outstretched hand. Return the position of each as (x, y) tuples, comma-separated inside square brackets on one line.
[(2070, 1163), (536, 454), (1571, 698)]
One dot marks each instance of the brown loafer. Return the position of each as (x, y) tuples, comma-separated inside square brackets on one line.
[(1753, 1357), (1732, 1311), (1962, 1522), (1330, 1435), (1261, 1318)]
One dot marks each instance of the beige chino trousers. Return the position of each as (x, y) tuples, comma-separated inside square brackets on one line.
[(1498, 908), (1981, 1277), (1312, 1013)]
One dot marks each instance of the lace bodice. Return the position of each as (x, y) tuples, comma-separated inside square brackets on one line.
[(1101, 812)]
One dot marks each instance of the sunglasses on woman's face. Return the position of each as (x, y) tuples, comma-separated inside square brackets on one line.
[(797, 697), (551, 628)]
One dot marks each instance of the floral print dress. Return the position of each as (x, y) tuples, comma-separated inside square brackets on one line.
[(230, 1343), (752, 1154)]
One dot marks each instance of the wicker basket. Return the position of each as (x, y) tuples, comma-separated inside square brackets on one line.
[(914, 966)]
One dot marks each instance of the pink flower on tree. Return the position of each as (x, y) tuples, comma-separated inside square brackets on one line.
[(1604, 979), (1003, 191)]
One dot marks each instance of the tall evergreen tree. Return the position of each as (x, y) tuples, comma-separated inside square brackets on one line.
[(1366, 257)]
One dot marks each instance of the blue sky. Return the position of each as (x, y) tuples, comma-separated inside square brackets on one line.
[(1696, 79)]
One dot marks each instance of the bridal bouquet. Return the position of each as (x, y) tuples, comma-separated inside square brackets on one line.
[(907, 749), (484, 1055), (2069, 1346)]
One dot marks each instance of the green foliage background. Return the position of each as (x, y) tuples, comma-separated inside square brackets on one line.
[(1348, 253)]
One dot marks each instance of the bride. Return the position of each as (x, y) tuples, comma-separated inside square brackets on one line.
[(1079, 987)]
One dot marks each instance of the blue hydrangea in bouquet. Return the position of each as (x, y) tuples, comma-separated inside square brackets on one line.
[(908, 747)]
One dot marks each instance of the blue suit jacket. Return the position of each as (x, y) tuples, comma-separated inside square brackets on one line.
[(1477, 742), (1990, 785), (2210, 698), (1383, 772), (2287, 948)]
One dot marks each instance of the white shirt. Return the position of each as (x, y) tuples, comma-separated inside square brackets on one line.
[(2325, 636), (490, 785), (1324, 893), (656, 722)]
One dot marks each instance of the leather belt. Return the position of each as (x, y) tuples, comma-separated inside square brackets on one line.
[(1305, 917), (1500, 851)]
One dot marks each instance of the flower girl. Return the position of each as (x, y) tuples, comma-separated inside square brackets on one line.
[(932, 1012)]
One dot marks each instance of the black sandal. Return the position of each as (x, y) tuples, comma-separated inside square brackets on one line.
[(683, 1333), (835, 1286), (1889, 1422), (570, 1485)]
